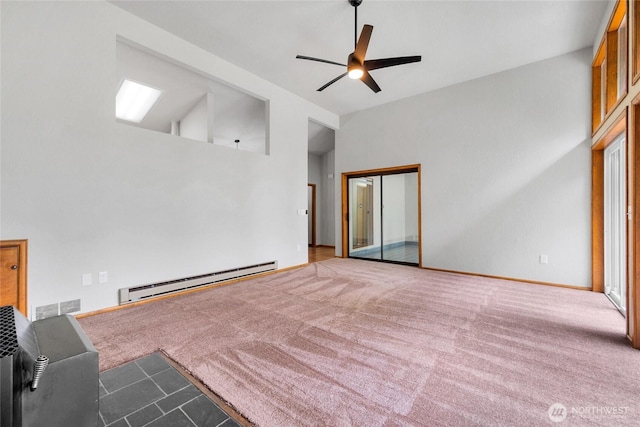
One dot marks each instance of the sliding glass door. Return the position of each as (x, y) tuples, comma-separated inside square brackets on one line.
[(615, 219), (383, 217)]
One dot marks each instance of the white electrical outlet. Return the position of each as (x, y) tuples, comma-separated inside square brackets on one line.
[(103, 277), (544, 259)]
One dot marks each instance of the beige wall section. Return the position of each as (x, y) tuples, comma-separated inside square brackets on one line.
[(93, 195), (506, 167)]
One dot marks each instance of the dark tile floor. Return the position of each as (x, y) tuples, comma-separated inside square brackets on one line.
[(151, 392)]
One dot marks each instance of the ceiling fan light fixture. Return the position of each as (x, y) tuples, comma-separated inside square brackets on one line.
[(355, 70), (356, 73)]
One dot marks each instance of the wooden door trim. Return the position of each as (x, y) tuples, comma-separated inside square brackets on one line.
[(312, 243), (597, 220), (22, 271), (381, 171), (345, 215)]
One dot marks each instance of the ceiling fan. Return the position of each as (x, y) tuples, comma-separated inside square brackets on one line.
[(357, 66)]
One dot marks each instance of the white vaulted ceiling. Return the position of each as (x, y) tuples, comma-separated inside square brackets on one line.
[(458, 40)]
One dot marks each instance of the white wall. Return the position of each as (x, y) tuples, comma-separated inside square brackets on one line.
[(94, 195), (411, 203), (320, 167), (315, 168), (315, 177), (194, 124), (328, 180), (505, 168)]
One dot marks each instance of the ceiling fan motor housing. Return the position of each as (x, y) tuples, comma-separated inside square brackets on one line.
[(352, 62)]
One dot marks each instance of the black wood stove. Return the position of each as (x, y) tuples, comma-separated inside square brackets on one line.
[(48, 372)]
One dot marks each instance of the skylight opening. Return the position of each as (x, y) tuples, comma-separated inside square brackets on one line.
[(134, 100)]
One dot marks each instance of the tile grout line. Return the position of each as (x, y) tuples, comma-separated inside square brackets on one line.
[(165, 395), (146, 376), (128, 385), (141, 409), (187, 415), (155, 402)]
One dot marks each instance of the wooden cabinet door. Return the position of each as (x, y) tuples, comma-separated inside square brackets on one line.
[(13, 272)]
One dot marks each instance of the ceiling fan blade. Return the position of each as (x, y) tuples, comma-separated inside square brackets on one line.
[(311, 58), (368, 80), (363, 43), (332, 82), (375, 64)]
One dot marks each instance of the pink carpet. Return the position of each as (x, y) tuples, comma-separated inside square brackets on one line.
[(356, 343)]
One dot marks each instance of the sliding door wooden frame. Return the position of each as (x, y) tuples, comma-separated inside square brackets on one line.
[(383, 171)]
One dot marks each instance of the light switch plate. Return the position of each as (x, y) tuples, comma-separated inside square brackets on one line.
[(86, 279), (103, 277)]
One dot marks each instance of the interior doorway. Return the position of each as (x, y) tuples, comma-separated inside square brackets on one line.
[(381, 211)]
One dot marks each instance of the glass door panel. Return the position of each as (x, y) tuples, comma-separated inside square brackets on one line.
[(383, 217), (364, 208), (400, 217), (615, 218)]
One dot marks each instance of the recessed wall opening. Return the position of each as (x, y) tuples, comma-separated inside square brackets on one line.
[(192, 104), (321, 185)]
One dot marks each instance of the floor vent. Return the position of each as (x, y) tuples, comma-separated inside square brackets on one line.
[(138, 293)]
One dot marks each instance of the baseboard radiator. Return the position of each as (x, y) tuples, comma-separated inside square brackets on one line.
[(142, 292)]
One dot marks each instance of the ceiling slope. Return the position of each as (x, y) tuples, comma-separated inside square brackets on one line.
[(458, 40)]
